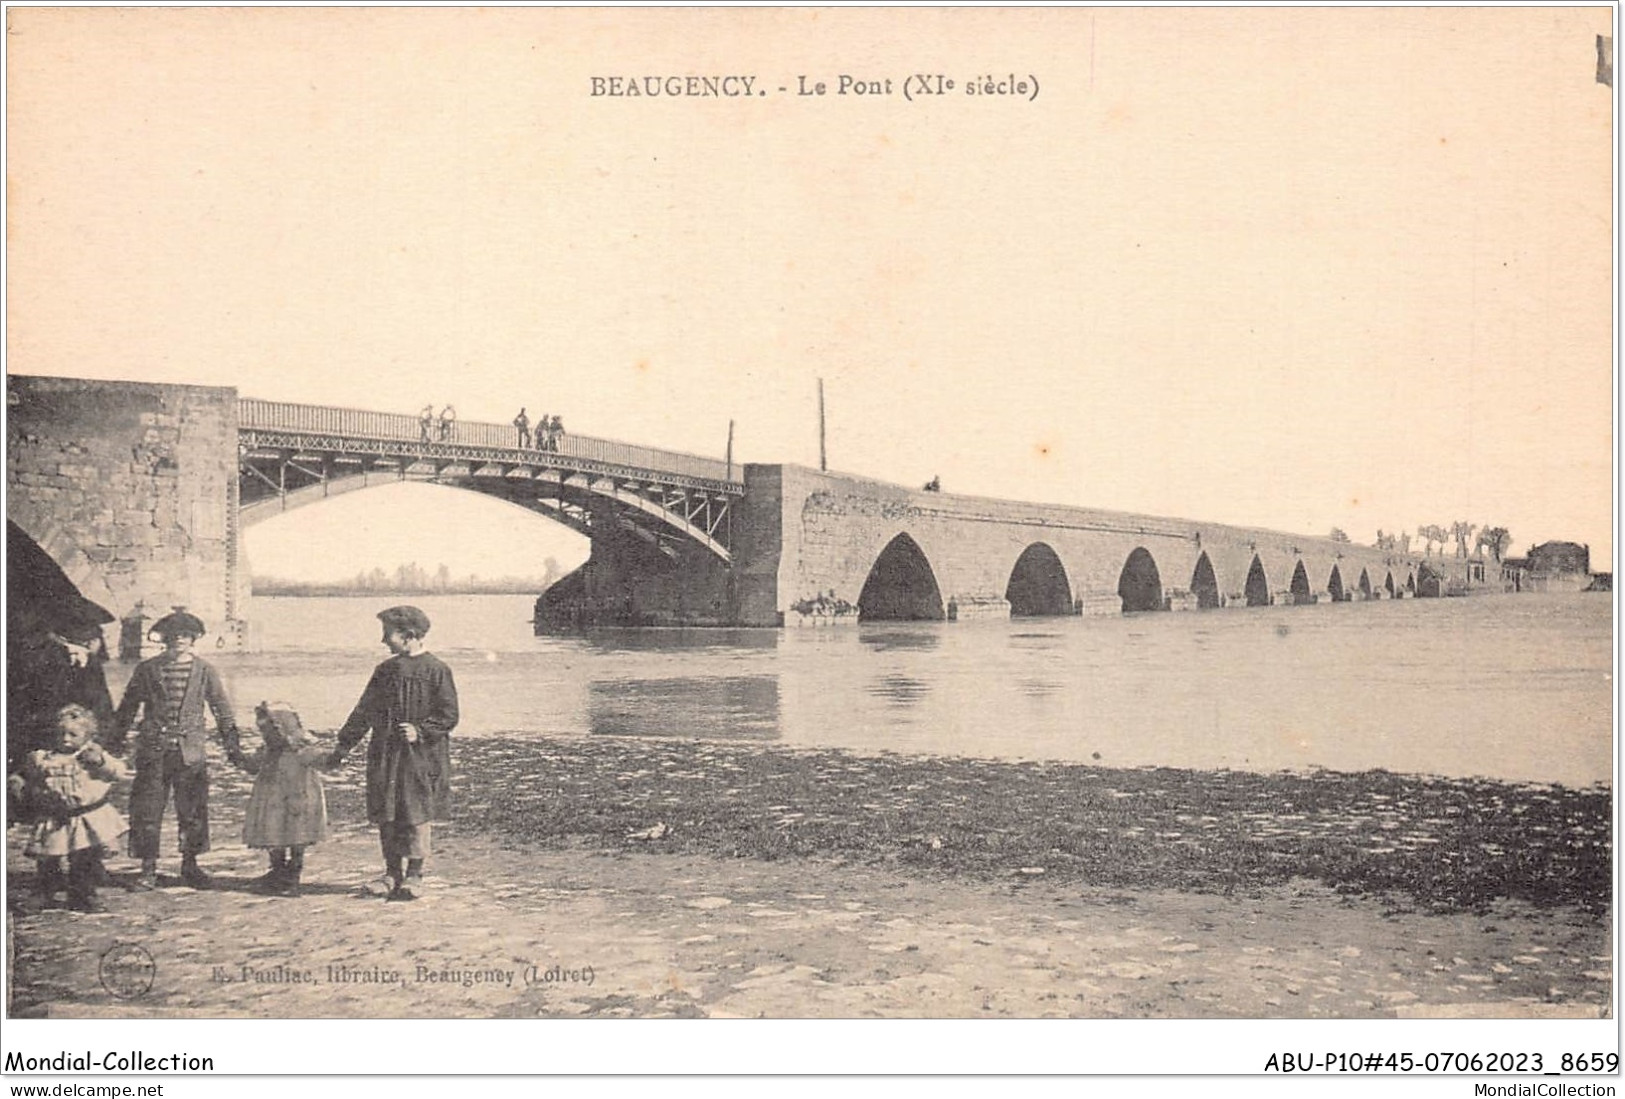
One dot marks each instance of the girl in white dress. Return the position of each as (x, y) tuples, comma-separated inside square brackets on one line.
[(66, 788)]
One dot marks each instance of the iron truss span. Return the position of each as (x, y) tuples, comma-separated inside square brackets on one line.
[(290, 455), (258, 443), (272, 424)]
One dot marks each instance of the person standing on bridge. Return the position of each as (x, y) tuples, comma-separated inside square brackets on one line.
[(425, 423), (410, 707), (555, 430), (521, 424), (448, 422)]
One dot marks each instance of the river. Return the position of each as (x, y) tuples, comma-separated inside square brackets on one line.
[(1516, 687)]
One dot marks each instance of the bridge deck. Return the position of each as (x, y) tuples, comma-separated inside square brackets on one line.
[(389, 434)]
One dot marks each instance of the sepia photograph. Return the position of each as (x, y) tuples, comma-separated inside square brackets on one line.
[(936, 514)]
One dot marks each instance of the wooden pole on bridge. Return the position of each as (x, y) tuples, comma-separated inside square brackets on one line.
[(730, 450)]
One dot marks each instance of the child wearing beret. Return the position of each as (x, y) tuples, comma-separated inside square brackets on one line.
[(165, 703), (410, 708)]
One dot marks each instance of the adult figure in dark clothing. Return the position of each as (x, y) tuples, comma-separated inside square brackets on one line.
[(521, 424), (54, 650), (49, 664), (58, 662)]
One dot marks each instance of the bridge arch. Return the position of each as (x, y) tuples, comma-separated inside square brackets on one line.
[(1204, 584), (1302, 595), (901, 586), (1365, 584), (567, 500), (1429, 581), (1139, 585), (1038, 584), (1258, 585), (1334, 586), (53, 541)]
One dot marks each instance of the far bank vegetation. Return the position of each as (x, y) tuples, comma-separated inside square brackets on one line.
[(412, 579)]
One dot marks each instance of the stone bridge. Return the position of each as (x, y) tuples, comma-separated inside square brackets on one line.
[(815, 547), (141, 493)]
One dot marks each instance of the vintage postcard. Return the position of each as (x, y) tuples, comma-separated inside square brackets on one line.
[(798, 514)]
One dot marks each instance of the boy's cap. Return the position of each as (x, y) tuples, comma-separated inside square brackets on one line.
[(406, 618), (178, 623)]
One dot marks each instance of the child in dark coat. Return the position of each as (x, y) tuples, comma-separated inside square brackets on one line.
[(410, 708), (287, 810)]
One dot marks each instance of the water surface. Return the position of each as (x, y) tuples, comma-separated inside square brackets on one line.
[(1513, 688)]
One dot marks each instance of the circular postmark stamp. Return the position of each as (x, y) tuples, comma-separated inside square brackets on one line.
[(127, 970)]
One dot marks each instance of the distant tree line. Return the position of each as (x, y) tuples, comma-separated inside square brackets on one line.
[(412, 579), (1494, 540)]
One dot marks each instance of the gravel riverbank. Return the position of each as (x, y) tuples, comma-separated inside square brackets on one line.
[(714, 879), (1438, 845)]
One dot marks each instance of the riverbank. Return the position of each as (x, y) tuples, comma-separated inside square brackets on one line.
[(1433, 844), (702, 879)]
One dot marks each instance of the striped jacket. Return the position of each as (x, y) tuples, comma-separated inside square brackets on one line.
[(145, 709)]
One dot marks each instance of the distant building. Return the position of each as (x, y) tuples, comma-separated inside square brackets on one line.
[(1560, 557), (1550, 566)]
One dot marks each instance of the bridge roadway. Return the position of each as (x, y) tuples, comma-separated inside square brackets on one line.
[(293, 455), (820, 548), (140, 493)]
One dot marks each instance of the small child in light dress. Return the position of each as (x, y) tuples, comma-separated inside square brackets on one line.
[(67, 787), (287, 810)]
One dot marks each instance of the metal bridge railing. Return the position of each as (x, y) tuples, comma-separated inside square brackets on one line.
[(253, 413)]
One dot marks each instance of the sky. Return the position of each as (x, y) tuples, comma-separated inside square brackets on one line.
[(1296, 269)]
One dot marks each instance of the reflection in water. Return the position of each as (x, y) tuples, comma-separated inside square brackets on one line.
[(741, 707), (1511, 688), (918, 639), (900, 690), (642, 641), (1037, 688)]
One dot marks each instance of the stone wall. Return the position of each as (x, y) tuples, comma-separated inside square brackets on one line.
[(832, 528), (132, 489)]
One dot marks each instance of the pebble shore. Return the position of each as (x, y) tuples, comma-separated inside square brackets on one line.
[(697, 878)]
